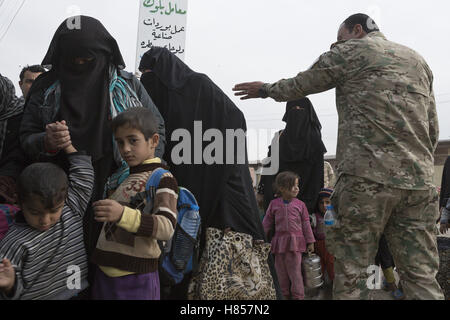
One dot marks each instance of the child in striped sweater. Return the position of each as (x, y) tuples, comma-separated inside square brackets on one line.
[(42, 256), (127, 251)]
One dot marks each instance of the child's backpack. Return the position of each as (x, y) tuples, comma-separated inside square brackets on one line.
[(7, 214), (179, 255)]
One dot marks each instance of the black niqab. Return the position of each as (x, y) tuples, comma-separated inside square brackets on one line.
[(301, 139), (157, 91), (84, 102)]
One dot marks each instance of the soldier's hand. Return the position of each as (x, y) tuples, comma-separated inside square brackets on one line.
[(310, 247), (249, 90)]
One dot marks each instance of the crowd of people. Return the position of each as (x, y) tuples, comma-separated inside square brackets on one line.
[(81, 143)]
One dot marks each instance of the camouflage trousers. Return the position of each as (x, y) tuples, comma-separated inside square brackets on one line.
[(365, 211)]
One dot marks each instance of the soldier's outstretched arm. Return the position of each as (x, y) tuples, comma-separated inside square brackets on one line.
[(325, 74)]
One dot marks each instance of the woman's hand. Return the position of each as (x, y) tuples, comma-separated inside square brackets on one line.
[(57, 136)]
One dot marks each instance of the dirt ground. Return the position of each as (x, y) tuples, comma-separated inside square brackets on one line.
[(325, 292)]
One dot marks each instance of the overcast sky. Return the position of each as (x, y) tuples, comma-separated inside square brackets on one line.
[(235, 41)]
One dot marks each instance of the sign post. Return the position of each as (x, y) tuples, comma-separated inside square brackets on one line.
[(162, 23)]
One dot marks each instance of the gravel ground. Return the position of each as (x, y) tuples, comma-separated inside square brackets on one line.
[(325, 292)]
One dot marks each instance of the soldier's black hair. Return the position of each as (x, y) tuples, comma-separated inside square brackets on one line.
[(45, 181), (138, 118), (367, 23), (34, 69)]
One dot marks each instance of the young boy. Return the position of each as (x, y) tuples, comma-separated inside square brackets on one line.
[(127, 251), (42, 256)]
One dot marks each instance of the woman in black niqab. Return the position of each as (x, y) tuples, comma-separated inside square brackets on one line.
[(184, 96), (302, 149), (86, 87), (224, 191), (80, 60)]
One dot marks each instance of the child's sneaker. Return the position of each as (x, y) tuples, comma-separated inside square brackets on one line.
[(388, 286), (398, 294)]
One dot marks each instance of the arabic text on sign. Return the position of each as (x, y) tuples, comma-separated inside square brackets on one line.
[(168, 10)]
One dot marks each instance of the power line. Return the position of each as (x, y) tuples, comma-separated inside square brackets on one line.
[(15, 15)]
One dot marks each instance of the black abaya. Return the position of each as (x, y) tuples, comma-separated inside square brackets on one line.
[(445, 184), (224, 191), (302, 149)]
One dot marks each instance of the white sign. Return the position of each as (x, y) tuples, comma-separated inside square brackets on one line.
[(162, 23)]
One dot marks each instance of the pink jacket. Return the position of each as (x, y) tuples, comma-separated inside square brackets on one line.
[(292, 228)]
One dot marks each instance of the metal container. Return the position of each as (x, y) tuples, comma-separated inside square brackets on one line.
[(314, 283), (312, 271)]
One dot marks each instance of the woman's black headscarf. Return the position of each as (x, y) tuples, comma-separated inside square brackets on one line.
[(301, 139), (84, 87)]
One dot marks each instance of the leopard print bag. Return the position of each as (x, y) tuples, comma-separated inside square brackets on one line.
[(233, 267)]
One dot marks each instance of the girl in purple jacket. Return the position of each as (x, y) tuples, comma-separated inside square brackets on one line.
[(288, 217)]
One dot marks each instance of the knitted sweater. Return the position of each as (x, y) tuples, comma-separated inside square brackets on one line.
[(131, 244)]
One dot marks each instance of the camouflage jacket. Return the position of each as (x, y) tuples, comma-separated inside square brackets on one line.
[(388, 127)]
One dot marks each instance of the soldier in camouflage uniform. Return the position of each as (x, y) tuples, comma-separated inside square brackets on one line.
[(387, 135)]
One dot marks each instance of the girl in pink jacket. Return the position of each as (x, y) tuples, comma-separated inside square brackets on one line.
[(289, 219)]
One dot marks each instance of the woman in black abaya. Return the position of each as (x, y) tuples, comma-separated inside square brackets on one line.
[(86, 87), (302, 149), (224, 191)]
